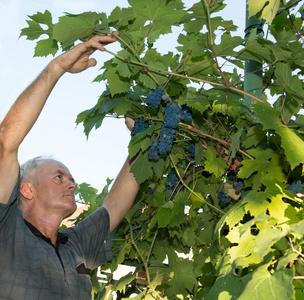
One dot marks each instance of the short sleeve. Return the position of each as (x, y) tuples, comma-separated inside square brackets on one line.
[(93, 238), (10, 207)]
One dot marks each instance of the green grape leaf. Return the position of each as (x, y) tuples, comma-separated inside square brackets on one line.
[(214, 164), (291, 142), (46, 47), (262, 285), (71, 28), (182, 276), (195, 21), (192, 42), (161, 13), (124, 281), (254, 136), (256, 202), (86, 192), (34, 30), (268, 8), (142, 168), (117, 84), (244, 249), (121, 16), (266, 162), (227, 284), (283, 74), (227, 45)]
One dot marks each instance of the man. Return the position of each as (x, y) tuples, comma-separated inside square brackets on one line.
[(37, 261)]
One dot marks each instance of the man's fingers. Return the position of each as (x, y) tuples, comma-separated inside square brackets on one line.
[(129, 122), (92, 62), (103, 40)]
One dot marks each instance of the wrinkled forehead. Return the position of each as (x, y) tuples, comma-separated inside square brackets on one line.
[(50, 165)]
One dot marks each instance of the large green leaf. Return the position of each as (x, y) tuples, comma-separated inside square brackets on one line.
[(142, 168), (291, 142), (269, 8), (262, 285), (34, 30), (214, 164), (71, 28), (161, 13)]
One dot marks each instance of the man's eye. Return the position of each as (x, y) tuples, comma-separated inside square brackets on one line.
[(59, 177)]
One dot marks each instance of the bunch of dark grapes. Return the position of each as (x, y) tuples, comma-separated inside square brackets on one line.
[(151, 191), (140, 125), (172, 181), (295, 187), (186, 114), (163, 144), (191, 154), (153, 151), (165, 139), (238, 186), (237, 169), (154, 98), (173, 113), (223, 198)]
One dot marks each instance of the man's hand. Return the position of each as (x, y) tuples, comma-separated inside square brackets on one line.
[(78, 58), (129, 123)]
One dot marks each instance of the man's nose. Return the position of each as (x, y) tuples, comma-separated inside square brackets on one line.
[(72, 186)]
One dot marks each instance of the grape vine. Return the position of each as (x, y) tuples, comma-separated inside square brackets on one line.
[(221, 176)]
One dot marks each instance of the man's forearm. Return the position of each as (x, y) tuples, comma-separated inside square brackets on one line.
[(121, 196), (26, 109)]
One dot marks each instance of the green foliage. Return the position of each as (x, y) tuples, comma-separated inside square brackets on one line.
[(229, 226)]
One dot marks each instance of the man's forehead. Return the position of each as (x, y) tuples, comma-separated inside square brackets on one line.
[(50, 166)]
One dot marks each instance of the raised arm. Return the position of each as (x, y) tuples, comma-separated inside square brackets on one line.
[(121, 196), (123, 192), (27, 108)]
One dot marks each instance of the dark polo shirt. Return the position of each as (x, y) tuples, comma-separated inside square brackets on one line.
[(32, 268)]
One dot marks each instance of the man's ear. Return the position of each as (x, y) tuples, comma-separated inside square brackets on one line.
[(26, 190)]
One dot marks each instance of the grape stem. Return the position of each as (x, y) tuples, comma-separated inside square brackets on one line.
[(191, 191), (193, 129), (147, 67), (140, 254)]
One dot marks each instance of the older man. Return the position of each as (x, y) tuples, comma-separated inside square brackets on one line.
[(37, 261)]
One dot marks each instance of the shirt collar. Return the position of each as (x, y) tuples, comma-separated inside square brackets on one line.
[(61, 237)]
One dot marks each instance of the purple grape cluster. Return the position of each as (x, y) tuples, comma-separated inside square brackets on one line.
[(295, 187), (165, 139), (223, 198), (163, 143), (140, 125), (151, 191), (173, 114), (191, 154), (171, 181), (186, 114), (153, 151), (154, 98), (239, 185)]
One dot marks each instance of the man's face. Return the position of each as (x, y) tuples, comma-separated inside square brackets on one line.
[(54, 187)]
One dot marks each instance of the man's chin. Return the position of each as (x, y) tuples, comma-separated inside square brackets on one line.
[(72, 210)]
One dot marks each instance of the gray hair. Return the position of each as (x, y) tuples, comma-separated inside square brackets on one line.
[(27, 167)]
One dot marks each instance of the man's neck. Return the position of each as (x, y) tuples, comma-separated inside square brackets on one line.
[(47, 225)]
